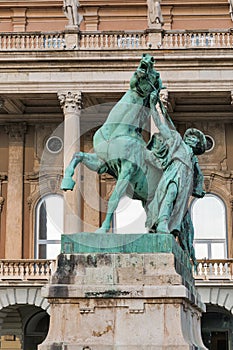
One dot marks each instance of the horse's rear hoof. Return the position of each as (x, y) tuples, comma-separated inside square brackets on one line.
[(67, 184)]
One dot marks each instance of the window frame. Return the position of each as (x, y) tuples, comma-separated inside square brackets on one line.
[(37, 240), (210, 241)]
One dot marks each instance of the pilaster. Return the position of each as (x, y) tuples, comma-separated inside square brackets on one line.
[(14, 216), (19, 19), (71, 103)]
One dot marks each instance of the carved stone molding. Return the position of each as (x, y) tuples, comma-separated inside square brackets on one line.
[(2, 200), (71, 101), (16, 131), (231, 8)]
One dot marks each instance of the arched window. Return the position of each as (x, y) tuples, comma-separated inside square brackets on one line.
[(209, 221), (49, 226)]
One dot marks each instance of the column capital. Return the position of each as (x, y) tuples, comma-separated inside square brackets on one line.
[(16, 130), (71, 101)]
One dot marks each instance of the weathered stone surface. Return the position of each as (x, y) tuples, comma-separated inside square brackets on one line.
[(123, 301)]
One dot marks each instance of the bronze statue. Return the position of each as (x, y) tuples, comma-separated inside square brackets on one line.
[(163, 174)]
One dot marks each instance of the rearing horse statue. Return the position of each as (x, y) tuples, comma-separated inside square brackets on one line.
[(163, 174), (119, 148)]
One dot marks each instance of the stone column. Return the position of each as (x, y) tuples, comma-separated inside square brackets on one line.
[(14, 216), (71, 105)]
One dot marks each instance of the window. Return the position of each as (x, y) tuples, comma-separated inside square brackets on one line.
[(209, 221), (49, 226)]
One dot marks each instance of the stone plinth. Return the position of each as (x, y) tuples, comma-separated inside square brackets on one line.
[(140, 298)]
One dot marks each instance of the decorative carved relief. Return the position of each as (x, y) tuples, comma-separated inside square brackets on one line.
[(231, 8), (2, 200), (71, 11), (40, 186), (216, 159), (71, 102), (42, 133), (16, 131), (155, 17)]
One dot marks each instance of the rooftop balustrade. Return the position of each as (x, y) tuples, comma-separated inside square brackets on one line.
[(130, 40)]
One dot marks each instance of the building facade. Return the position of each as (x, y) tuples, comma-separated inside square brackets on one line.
[(60, 74)]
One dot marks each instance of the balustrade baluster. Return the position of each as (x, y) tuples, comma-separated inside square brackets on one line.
[(218, 44), (216, 269), (184, 42), (16, 269), (143, 41), (44, 269), (165, 41), (199, 269), (11, 42), (18, 42), (27, 42), (36, 269), (23, 42), (6, 268), (11, 269), (1, 269), (172, 45), (205, 266), (87, 37), (114, 41), (21, 270), (101, 41), (88, 41), (26, 271), (118, 43), (223, 40)]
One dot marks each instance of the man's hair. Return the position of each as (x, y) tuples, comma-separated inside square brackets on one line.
[(201, 145)]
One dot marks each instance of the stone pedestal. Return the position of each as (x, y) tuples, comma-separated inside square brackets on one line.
[(123, 292)]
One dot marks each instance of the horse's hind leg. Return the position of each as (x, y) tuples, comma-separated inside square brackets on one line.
[(119, 191), (89, 159)]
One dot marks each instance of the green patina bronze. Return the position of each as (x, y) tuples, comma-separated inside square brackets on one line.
[(162, 174)]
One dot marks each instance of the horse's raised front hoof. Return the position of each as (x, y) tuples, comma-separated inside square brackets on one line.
[(101, 230), (67, 184)]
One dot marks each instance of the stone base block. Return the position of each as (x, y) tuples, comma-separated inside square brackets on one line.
[(124, 301)]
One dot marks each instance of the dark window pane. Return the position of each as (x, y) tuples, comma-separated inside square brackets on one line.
[(43, 222), (42, 251)]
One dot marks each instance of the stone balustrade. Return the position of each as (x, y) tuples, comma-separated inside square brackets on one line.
[(41, 269), (214, 269), (114, 40), (26, 270), (197, 39), (31, 41)]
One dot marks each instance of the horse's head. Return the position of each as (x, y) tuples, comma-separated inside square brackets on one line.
[(146, 79), (146, 64)]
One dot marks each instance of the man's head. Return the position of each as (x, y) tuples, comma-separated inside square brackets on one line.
[(196, 140)]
